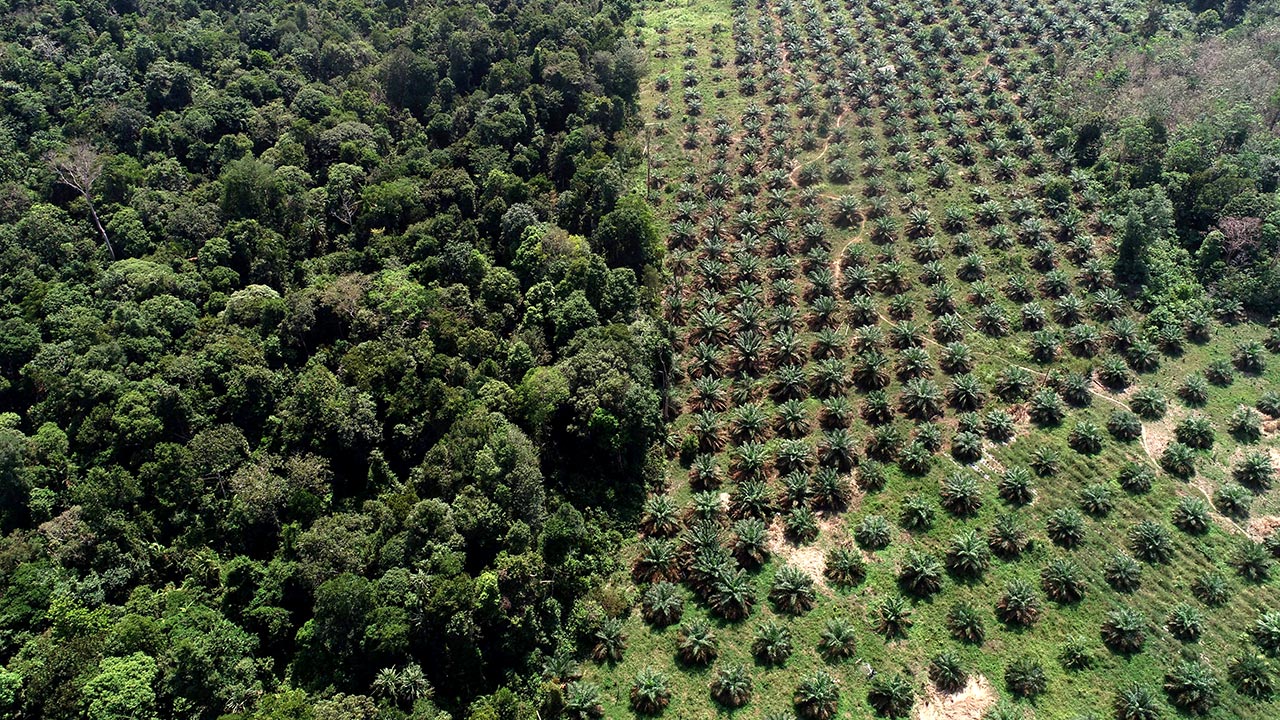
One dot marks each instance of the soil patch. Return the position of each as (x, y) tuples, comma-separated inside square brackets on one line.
[(1261, 528), (811, 558), (971, 703)]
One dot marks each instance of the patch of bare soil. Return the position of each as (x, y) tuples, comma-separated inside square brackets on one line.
[(971, 703), (811, 558), (1261, 528), (1271, 428)]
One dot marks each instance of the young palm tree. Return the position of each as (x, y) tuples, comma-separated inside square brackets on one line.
[(966, 447), (1123, 573), (1075, 654), (1192, 687), (920, 574), (1136, 702), (818, 696), (1045, 462), (661, 517), (1195, 431), (1151, 543), (1135, 478), (1251, 676), (845, 567), (732, 596), (582, 701), (968, 555), (1233, 500), (873, 533), (1062, 582), (1124, 631), (961, 495), (965, 393), (1245, 424), (772, 643), (965, 624), (837, 640), (947, 672), (1252, 562), (1015, 486), (1045, 408), (1007, 538), (611, 641), (661, 604), (1124, 426), (731, 685), (801, 524), (792, 591), (891, 696), (1179, 460), (1013, 384), (1185, 623), (696, 644), (1097, 500), (659, 560), (893, 617), (1066, 527), (650, 691), (1018, 606), (750, 542), (1025, 677), (1085, 438), (1255, 471)]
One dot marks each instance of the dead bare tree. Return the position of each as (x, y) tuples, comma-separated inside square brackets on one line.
[(78, 167)]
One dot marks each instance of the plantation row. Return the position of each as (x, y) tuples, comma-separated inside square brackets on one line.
[(915, 409)]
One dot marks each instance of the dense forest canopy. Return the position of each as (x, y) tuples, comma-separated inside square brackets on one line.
[(322, 337)]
